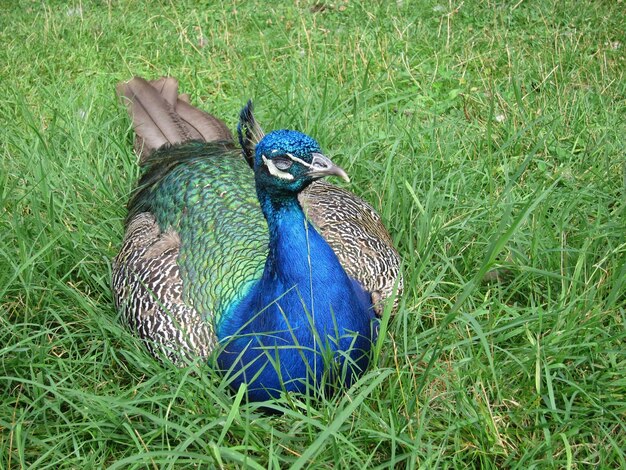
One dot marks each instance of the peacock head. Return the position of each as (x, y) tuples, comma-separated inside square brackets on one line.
[(288, 161)]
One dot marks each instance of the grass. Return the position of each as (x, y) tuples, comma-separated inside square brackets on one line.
[(490, 136)]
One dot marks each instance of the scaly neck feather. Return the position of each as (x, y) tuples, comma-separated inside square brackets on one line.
[(303, 304)]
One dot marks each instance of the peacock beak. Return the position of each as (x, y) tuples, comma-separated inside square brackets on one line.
[(322, 166)]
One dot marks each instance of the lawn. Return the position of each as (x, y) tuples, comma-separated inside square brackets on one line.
[(490, 136)]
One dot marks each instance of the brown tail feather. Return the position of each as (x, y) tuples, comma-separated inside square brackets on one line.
[(167, 88), (208, 126), (161, 116)]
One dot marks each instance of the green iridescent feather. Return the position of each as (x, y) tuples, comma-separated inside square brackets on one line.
[(223, 234)]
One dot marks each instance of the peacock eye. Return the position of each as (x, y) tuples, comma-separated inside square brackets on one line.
[(282, 163)]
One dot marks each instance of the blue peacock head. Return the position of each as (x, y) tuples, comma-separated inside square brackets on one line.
[(287, 161)]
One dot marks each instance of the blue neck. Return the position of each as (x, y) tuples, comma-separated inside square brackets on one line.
[(304, 306)]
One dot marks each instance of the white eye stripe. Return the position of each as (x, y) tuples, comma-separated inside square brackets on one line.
[(275, 171), (296, 159)]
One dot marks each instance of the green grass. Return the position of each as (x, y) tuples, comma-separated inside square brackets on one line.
[(490, 135)]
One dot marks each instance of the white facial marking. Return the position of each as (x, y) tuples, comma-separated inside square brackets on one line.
[(275, 171), (296, 159)]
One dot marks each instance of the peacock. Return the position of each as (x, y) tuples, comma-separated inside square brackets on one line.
[(246, 255)]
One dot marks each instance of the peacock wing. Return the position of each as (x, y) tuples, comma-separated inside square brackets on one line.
[(357, 235), (148, 293)]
